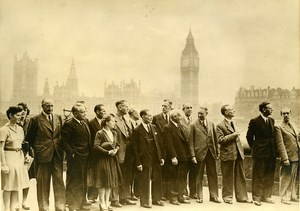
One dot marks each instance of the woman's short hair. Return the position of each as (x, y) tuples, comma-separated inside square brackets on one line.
[(25, 107), (12, 110), (106, 119)]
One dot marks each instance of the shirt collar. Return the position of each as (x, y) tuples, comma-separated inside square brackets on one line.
[(265, 118), (228, 120), (174, 123), (145, 126), (77, 119)]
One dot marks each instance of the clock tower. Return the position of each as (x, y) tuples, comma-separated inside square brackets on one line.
[(189, 68)]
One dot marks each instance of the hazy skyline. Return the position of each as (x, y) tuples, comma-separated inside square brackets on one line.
[(240, 43)]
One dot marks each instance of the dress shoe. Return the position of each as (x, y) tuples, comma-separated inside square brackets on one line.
[(92, 201), (25, 207), (257, 203), (158, 203), (267, 200), (200, 201), (184, 201), (194, 196), (127, 202), (134, 198), (116, 204), (175, 202), (215, 199), (146, 206), (110, 208), (295, 200), (85, 208), (245, 201), (163, 198), (228, 201), (87, 203), (285, 201)]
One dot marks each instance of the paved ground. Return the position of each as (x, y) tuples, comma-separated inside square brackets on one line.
[(205, 206)]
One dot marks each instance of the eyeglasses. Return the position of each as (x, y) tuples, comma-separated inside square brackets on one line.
[(284, 113)]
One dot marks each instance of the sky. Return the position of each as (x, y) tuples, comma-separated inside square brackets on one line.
[(240, 43)]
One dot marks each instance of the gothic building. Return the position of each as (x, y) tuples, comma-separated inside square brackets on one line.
[(247, 101), (190, 72), (65, 95), (25, 79)]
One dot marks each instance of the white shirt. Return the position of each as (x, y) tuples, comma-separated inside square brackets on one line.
[(146, 126), (265, 118), (109, 134)]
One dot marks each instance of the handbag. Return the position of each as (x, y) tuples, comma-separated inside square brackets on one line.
[(107, 145)]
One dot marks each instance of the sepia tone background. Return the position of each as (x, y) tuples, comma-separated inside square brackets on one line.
[(240, 43)]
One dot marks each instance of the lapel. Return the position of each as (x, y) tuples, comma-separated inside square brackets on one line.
[(153, 133), (96, 124), (142, 131), (80, 128), (200, 126), (120, 125), (263, 124), (288, 128), (228, 126), (177, 130), (56, 122), (162, 119), (45, 121)]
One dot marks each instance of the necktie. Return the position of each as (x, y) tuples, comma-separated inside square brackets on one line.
[(189, 120), (167, 119), (232, 125), (50, 119), (149, 129), (203, 124)]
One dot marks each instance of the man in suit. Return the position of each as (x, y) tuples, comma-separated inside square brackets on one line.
[(288, 144), (148, 159), (160, 120), (232, 156), (204, 151), (192, 172), (94, 126), (44, 136), (261, 139), (123, 128), (177, 156), (76, 139)]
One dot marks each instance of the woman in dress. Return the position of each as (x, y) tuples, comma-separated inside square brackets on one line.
[(14, 176), (107, 171), (26, 150)]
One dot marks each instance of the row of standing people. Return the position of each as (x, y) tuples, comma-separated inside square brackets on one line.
[(163, 152)]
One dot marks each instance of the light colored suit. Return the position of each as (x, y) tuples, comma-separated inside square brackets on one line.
[(288, 144), (203, 145), (45, 139), (232, 167)]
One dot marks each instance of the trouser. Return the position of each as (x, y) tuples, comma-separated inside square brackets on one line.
[(233, 177), (43, 173), (288, 185), (76, 182), (263, 177)]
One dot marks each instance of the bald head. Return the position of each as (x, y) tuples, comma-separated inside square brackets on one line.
[(47, 105)]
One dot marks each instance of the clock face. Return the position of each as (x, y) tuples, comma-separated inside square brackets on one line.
[(196, 62), (185, 62)]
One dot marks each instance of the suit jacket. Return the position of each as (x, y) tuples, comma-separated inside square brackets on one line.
[(202, 140), (100, 138), (185, 126), (44, 138), (175, 142), (261, 138), (230, 146), (94, 127), (287, 140), (76, 138), (141, 145), (123, 137), (160, 122)]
